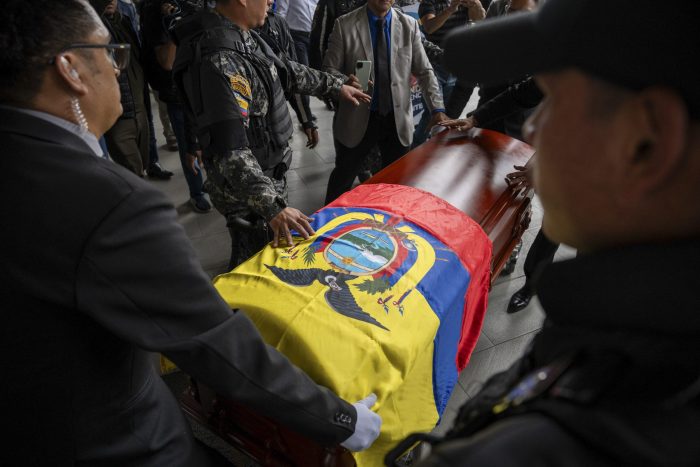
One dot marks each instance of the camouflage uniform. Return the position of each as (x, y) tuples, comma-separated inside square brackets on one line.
[(236, 96)]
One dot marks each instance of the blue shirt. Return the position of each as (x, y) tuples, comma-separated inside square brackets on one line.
[(372, 18)]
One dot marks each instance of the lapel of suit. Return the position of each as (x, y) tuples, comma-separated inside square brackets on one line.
[(396, 41), (362, 25)]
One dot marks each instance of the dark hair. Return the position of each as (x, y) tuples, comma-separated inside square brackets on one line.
[(33, 32)]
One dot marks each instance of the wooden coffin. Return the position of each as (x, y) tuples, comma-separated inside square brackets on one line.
[(467, 169)]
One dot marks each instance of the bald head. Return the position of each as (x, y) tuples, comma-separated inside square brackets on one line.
[(246, 14)]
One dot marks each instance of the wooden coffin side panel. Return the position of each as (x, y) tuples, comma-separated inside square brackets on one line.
[(506, 230), (262, 439)]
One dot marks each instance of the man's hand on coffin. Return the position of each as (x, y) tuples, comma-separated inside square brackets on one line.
[(520, 178), (367, 426), (436, 118), (459, 124), (288, 219), (354, 95)]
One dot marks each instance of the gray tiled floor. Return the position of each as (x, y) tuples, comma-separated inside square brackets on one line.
[(503, 336)]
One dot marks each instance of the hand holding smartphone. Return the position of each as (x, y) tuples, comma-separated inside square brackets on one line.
[(363, 68)]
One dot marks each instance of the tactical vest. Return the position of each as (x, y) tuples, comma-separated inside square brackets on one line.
[(271, 35), (583, 392), (267, 137)]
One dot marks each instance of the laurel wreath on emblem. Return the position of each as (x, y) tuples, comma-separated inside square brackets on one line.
[(370, 285), (364, 248)]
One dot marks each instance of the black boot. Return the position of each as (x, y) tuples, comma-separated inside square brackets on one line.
[(158, 172), (520, 299)]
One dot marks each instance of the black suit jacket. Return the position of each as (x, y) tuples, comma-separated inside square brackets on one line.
[(96, 272)]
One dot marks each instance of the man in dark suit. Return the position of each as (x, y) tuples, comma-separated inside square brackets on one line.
[(96, 273)]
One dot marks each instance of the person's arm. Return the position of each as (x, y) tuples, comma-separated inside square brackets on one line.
[(317, 38), (302, 110), (516, 98), (432, 22), (330, 83), (423, 71), (459, 97), (496, 9), (193, 149), (139, 277), (432, 51), (300, 106), (165, 55), (165, 52), (235, 170), (526, 93), (475, 10)]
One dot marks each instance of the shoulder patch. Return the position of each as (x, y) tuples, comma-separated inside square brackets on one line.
[(240, 85), (241, 91)]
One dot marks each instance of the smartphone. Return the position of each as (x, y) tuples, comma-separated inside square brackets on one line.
[(363, 68)]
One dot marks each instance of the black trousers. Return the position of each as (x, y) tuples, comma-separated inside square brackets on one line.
[(541, 254), (128, 141), (381, 131), (246, 242), (459, 98), (301, 47)]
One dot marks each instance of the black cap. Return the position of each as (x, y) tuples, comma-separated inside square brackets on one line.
[(631, 43)]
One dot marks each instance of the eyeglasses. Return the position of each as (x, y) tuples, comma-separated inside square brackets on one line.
[(118, 53)]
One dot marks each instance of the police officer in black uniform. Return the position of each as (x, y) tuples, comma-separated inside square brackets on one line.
[(234, 88), (275, 32), (613, 377)]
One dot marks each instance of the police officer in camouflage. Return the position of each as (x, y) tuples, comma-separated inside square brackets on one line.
[(234, 86)]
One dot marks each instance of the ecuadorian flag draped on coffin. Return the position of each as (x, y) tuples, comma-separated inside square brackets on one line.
[(388, 297)]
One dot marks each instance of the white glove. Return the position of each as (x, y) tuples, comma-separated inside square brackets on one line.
[(367, 425)]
